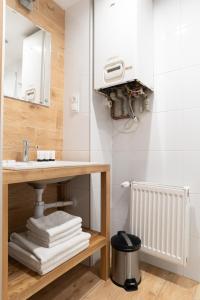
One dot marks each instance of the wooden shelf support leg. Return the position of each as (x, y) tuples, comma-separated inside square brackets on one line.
[(105, 224), (5, 243)]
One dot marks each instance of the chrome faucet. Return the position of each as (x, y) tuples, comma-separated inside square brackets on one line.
[(25, 151), (26, 147)]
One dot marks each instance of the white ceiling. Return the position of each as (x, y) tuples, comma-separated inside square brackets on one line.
[(66, 3)]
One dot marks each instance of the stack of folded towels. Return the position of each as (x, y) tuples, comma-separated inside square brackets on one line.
[(50, 241)]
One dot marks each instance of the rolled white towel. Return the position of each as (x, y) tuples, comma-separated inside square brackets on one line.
[(44, 243), (53, 224), (30, 261), (45, 255)]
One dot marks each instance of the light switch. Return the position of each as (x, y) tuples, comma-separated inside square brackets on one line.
[(75, 103)]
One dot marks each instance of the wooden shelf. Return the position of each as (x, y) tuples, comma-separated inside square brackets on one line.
[(23, 282)]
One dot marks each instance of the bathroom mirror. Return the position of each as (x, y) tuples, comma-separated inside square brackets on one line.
[(27, 60)]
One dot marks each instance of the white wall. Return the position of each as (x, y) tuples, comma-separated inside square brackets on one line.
[(166, 146), (77, 81), (100, 140), (100, 149), (87, 134)]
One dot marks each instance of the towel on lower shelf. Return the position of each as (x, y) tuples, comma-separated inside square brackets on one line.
[(45, 255), (31, 262), (54, 241), (52, 225)]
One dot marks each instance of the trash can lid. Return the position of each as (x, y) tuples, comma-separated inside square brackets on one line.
[(125, 242)]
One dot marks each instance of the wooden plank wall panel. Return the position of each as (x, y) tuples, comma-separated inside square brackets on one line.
[(21, 204), (3, 233), (42, 126)]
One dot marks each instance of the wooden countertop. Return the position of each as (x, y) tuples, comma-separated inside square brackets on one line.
[(19, 176)]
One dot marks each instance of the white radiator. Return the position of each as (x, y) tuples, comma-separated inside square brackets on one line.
[(159, 215)]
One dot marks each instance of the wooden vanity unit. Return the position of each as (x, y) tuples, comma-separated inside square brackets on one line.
[(21, 283)]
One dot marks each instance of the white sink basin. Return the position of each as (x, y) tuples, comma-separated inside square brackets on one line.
[(15, 165)]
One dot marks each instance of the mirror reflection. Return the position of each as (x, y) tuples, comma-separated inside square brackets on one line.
[(27, 60)]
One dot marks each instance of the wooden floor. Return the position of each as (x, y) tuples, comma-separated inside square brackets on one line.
[(81, 283)]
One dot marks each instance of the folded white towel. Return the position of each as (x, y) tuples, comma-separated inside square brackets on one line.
[(45, 255), (65, 237), (56, 237), (53, 224), (30, 261)]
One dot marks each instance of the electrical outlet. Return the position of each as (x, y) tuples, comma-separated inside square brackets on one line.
[(75, 103)]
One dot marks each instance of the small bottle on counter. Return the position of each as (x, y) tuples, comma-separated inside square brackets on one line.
[(39, 155), (46, 155), (52, 155)]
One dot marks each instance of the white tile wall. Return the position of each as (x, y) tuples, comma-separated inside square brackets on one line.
[(166, 146), (191, 170), (87, 134), (157, 166), (194, 215), (189, 93), (119, 209), (77, 81), (193, 267), (100, 149), (80, 193), (167, 42), (167, 91)]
